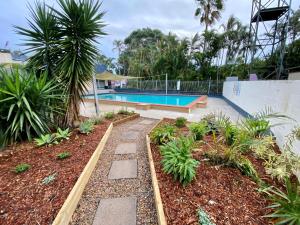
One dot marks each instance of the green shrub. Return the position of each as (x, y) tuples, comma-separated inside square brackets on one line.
[(282, 165), (177, 159), (232, 158), (109, 115), (47, 139), (63, 155), (49, 179), (86, 127), (180, 122), (198, 129), (62, 134), (211, 122), (204, 218), (28, 104), (286, 205), (256, 127), (163, 134), (21, 168), (125, 112), (96, 120)]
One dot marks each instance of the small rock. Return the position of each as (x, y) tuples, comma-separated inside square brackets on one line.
[(212, 202)]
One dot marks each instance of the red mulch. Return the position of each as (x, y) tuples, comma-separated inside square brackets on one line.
[(224, 193), (23, 197)]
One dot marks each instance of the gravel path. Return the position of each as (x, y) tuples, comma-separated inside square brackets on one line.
[(100, 187)]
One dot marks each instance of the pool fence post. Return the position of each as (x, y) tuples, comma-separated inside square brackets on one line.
[(209, 86), (166, 83), (95, 94)]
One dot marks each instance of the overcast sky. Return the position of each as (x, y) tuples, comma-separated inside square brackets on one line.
[(124, 16)]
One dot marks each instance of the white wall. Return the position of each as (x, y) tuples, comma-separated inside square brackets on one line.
[(282, 96)]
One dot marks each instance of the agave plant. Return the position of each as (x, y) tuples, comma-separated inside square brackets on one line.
[(28, 104)]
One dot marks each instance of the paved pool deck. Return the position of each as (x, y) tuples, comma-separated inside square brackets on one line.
[(214, 105)]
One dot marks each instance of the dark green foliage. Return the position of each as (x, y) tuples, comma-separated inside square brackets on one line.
[(63, 40), (204, 218), (47, 139), (63, 155), (177, 159), (86, 127), (180, 122), (163, 134), (109, 115), (21, 168), (256, 127), (286, 205), (28, 104), (62, 134), (199, 130), (125, 112)]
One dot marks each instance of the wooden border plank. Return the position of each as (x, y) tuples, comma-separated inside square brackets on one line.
[(158, 202), (66, 212)]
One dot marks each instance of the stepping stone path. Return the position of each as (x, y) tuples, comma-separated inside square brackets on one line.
[(116, 211), (123, 169), (126, 148), (120, 190)]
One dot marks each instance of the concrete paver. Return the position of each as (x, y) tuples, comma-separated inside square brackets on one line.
[(123, 169)]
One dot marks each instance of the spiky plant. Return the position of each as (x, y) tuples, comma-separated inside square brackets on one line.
[(41, 38), (28, 104), (80, 26)]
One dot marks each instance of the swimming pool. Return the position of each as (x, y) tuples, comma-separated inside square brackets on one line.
[(173, 100)]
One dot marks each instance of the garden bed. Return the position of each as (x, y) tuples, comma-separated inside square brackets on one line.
[(24, 199), (227, 196)]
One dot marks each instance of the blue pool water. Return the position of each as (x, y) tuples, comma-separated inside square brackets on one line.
[(177, 100)]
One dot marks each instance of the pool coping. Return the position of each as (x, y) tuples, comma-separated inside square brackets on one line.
[(200, 102)]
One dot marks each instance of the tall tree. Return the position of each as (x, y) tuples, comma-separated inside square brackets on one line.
[(118, 46), (70, 33), (209, 11), (41, 38)]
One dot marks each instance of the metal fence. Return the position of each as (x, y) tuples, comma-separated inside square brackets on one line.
[(208, 87)]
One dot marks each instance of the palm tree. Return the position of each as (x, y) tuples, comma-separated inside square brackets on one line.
[(209, 11), (41, 38), (81, 23), (64, 41)]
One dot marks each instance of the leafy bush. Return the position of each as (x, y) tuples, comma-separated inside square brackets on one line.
[(21, 168), (204, 218), (256, 127), (232, 158), (49, 179), (86, 127), (62, 134), (163, 134), (28, 104), (286, 204), (177, 159), (125, 112), (47, 139), (227, 129), (96, 120), (180, 122), (282, 165), (63, 155), (211, 122), (109, 115), (198, 129)]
